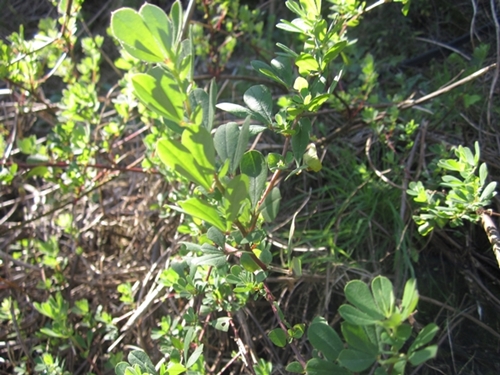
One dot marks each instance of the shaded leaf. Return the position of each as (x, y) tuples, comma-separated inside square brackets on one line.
[(317, 366), (159, 26), (326, 340), (260, 101), (359, 295), (159, 93), (235, 194), (300, 139), (194, 356), (140, 358), (424, 336), (134, 35), (357, 338), (216, 236), (355, 360), (294, 367), (278, 337), (271, 205), (200, 105), (253, 164), (355, 316), (423, 355)]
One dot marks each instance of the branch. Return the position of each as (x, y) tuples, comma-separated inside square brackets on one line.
[(492, 232), (410, 103)]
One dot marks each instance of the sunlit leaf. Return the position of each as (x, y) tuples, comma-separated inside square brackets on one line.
[(204, 211)]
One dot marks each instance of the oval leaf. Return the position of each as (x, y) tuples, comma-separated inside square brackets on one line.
[(359, 295), (278, 337), (253, 164), (326, 340), (355, 360), (383, 294), (260, 101)]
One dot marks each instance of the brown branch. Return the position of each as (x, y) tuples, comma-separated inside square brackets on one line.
[(97, 166), (492, 232)]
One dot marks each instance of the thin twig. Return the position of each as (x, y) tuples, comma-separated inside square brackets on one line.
[(377, 172), (492, 232), (495, 75), (411, 103), (465, 315), (443, 45)]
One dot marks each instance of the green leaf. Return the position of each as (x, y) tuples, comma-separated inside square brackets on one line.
[(488, 192), (317, 102), (333, 52), (159, 92), (253, 164), (216, 236), (410, 299), (204, 211), (451, 164), (483, 174), (275, 161), (194, 356), (54, 333), (235, 109), (355, 316), (418, 357), (235, 194), (159, 27), (359, 295), (278, 337), (177, 19), (307, 64), (297, 331), (260, 101), (175, 368), (271, 205), (212, 101), (294, 367), (121, 367), (193, 158), (199, 101), (267, 71), (231, 142), (357, 338), (290, 27), (138, 357), (325, 339), (317, 366), (248, 263), (222, 323), (300, 139), (311, 159), (134, 35), (383, 294), (27, 145), (355, 360), (280, 70), (424, 337)]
